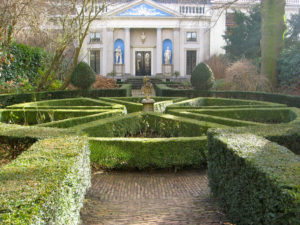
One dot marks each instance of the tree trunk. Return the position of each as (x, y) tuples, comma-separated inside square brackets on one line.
[(273, 27)]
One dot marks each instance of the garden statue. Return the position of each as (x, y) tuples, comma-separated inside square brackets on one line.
[(147, 89), (168, 55), (118, 56)]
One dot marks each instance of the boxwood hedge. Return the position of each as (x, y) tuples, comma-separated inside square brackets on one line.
[(142, 153), (47, 183), (256, 181)]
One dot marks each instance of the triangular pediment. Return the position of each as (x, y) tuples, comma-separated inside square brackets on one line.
[(144, 9)]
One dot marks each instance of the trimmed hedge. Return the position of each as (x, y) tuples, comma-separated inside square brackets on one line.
[(165, 91), (287, 135), (256, 181), (11, 99), (142, 153), (68, 102), (289, 100), (163, 124), (218, 103), (47, 183), (69, 123), (33, 116)]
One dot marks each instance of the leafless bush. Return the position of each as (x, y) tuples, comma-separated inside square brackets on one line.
[(243, 76), (218, 65)]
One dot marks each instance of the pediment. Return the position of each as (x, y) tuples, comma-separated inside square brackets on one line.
[(144, 8)]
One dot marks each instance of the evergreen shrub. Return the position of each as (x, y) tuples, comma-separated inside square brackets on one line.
[(256, 181), (202, 77), (83, 76)]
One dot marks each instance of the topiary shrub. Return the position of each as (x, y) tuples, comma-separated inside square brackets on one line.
[(83, 76), (202, 77)]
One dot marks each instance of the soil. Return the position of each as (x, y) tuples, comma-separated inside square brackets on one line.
[(11, 149)]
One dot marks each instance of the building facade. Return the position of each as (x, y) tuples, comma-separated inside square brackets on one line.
[(148, 38)]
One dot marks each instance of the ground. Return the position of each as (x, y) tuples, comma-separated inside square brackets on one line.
[(158, 197)]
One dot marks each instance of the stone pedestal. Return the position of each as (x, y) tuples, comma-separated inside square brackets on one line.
[(167, 69), (119, 69), (148, 105)]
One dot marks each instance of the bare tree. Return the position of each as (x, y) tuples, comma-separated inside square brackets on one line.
[(68, 23), (11, 13)]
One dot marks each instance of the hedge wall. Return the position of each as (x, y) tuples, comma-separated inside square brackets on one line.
[(11, 99), (71, 122), (142, 153), (256, 181), (47, 183), (164, 125), (289, 100)]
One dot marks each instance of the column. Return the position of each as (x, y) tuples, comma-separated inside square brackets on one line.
[(182, 53), (158, 51), (103, 68), (176, 50), (202, 45), (127, 51)]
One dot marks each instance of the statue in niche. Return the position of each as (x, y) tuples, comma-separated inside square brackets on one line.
[(168, 55), (143, 37), (118, 55)]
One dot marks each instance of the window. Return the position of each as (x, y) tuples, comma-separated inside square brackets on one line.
[(190, 61), (95, 37), (95, 60), (191, 36)]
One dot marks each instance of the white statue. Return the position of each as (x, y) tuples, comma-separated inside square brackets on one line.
[(118, 55), (168, 55)]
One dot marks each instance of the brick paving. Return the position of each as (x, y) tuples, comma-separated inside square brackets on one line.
[(150, 198)]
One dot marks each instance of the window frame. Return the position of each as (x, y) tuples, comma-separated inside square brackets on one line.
[(94, 38), (191, 38)]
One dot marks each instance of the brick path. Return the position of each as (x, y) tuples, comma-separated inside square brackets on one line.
[(150, 198)]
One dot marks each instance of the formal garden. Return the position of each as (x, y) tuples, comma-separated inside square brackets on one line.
[(49, 146), (219, 146)]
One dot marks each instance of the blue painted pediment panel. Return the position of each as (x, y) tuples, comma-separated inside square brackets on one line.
[(144, 10)]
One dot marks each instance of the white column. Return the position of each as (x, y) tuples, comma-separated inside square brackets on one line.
[(202, 45), (103, 68), (158, 51), (182, 53), (127, 51), (176, 50)]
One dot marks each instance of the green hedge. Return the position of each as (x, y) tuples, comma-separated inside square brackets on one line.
[(289, 100), (142, 153), (71, 122), (37, 116), (163, 124), (46, 184), (255, 180), (165, 91), (287, 135), (219, 103), (11, 99)]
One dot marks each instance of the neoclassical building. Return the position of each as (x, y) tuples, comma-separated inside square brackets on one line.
[(147, 38)]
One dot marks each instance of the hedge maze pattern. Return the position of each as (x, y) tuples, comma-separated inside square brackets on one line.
[(251, 150)]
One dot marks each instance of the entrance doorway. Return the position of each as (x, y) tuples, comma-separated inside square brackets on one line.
[(143, 63), (191, 58)]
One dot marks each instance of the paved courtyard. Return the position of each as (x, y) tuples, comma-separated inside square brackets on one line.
[(150, 198)]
